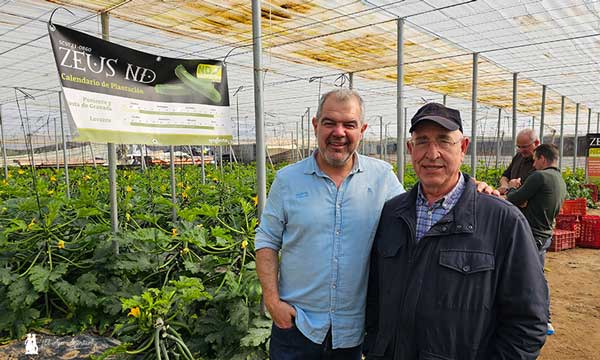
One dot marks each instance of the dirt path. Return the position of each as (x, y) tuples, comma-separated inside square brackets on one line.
[(574, 279)]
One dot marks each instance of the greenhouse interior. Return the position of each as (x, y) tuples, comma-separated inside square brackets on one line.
[(146, 249)]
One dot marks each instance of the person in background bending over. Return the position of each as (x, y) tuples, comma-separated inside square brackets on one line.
[(522, 163)]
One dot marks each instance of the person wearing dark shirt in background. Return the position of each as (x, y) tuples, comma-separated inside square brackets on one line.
[(522, 163)]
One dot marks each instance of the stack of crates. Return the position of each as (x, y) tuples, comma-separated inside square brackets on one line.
[(590, 232), (574, 207), (562, 240), (569, 225)]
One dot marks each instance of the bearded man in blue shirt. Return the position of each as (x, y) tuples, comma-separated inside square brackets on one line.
[(321, 216)]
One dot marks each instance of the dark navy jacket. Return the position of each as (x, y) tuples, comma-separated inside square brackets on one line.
[(472, 288)]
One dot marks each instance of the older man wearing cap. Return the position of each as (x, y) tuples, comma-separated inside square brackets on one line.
[(454, 273)]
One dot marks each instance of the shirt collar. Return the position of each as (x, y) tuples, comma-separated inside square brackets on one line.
[(449, 200)]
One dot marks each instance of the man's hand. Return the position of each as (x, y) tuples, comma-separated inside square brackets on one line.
[(282, 313), (515, 183), (482, 187)]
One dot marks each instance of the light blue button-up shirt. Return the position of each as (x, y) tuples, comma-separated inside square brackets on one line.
[(324, 235)]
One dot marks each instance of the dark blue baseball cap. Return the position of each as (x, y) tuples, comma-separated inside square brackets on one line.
[(438, 113)]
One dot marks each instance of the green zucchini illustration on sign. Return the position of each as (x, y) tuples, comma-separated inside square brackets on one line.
[(189, 83)]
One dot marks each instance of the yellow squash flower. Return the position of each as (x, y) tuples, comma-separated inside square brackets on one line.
[(31, 224), (50, 192), (86, 177), (53, 178), (173, 232), (21, 171), (255, 200), (128, 189), (135, 312), (60, 244), (244, 244)]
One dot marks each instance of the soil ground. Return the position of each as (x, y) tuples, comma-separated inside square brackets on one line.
[(574, 279)]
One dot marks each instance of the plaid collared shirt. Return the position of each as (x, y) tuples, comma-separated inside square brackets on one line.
[(427, 215)]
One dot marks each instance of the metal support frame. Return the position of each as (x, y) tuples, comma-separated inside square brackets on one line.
[(64, 141), (514, 112), (498, 140), (302, 135), (173, 187), (202, 166), (261, 172), (474, 116), (308, 132), (380, 137), (400, 110), (4, 161), (562, 126), (575, 142), (589, 125), (542, 113), (112, 158)]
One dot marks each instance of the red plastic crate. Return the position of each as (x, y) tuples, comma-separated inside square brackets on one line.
[(569, 222), (562, 240), (590, 231), (594, 190), (574, 207)]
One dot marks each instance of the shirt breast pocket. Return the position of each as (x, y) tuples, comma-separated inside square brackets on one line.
[(466, 280)]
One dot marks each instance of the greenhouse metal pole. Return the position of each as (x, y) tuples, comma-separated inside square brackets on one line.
[(562, 125), (400, 109), (143, 157), (221, 158), (498, 137), (297, 154), (444, 99), (191, 154), (291, 145), (302, 134), (474, 116), (308, 132), (4, 161), (261, 171), (533, 123), (173, 188), (92, 153), (56, 144), (576, 143), (64, 141), (380, 137), (588, 131), (350, 81), (112, 157), (589, 127), (202, 164), (514, 112), (598, 123), (543, 111), (402, 146)]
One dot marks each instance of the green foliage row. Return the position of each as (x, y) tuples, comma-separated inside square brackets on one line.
[(186, 289)]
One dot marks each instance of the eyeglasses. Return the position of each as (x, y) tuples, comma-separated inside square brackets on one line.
[(442, 144), (524, 146)]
